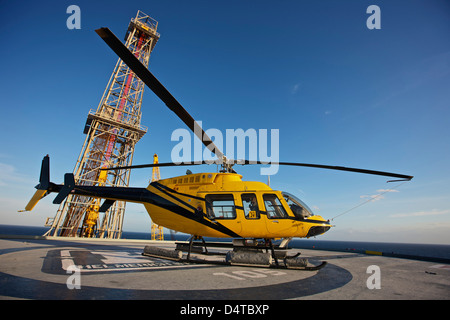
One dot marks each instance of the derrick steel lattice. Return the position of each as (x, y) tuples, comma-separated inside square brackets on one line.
[(112, 131)]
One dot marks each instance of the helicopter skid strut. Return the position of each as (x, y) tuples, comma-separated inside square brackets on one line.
[(249, 253)]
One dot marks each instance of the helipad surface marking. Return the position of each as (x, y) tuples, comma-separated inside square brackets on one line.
[(42, 274)]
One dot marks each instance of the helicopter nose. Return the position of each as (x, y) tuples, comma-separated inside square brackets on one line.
[(320, 226), (317, 230)]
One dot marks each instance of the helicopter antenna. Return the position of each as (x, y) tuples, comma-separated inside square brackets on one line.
[(370, 199)]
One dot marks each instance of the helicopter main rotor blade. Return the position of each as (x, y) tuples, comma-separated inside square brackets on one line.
[(164, 164), (321, 166), (249, 162), (150, 80)]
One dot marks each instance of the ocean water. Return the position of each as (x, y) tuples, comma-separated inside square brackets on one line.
[(430, 252), (39, 231), (440, 252)]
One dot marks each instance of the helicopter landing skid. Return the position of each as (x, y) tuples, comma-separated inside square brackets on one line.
[(249, 255)]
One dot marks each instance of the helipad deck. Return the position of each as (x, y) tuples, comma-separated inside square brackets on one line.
[(68, 268)]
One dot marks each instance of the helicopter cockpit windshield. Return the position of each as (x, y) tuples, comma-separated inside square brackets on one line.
[(298, 207)]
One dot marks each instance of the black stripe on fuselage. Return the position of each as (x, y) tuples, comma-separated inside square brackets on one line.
[(188, 214), (143, 195), (167, 191), (161, 186)]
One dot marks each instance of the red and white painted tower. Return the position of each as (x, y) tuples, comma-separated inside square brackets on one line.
[(112, 131)]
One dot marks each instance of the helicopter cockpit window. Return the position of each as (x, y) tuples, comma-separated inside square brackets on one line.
[(274, 207), (298, 207), (250, 204), (220, 206)]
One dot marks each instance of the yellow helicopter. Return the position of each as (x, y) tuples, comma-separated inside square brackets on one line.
[(220, 204)]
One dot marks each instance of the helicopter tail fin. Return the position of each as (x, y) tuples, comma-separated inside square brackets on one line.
[(42, 187), (44, 178)]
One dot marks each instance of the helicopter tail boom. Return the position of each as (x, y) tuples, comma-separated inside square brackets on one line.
[(111, 194)]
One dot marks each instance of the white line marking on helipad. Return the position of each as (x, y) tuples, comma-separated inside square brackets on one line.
[(441, 266), (66, 260)]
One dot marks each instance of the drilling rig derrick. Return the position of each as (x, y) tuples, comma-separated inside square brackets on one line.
[(112, 131)]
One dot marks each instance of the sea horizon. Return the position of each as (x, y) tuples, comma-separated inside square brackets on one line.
[(436, 252)]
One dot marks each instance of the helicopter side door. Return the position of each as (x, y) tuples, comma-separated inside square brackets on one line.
[(221, 208), (278, 222), (253, 224)]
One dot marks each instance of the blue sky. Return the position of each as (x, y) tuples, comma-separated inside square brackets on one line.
[(339, 93)]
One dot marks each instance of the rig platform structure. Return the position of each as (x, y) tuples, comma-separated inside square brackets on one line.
[(112, 131)]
